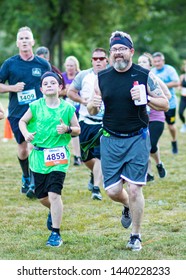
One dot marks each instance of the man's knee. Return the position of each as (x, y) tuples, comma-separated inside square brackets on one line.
[(135, 191), (113, 192)]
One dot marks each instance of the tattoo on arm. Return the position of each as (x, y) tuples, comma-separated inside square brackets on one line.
[(154, 85)]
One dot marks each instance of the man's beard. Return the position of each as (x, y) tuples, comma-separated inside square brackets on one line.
[(120, 65)]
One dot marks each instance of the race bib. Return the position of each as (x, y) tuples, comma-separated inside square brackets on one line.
[(26, 96), (55, 156)]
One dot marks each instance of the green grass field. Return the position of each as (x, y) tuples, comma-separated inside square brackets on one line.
[(91, 230)]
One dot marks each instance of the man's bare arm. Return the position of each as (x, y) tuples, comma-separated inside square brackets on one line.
[(13, 88), (72, 93), (158, 99), (164, 88)]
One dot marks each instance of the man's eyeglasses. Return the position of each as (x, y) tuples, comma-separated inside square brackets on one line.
[(122, 49), (99, 58)]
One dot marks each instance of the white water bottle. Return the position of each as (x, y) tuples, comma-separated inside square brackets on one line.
[(143, 96)]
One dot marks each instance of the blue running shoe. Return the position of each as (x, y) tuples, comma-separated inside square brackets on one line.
[(54, 240), (49, 221), (25, 184), (31, 192)]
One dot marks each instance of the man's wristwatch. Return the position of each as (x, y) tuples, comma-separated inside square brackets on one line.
[(148, 98), (69, 130)]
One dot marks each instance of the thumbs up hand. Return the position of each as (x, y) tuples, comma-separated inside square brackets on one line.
[(29, 136), (97, 101), (62, 127)]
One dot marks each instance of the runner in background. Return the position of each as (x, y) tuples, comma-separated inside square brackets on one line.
[(169, 76), (156, 123), (71, 70), (45, 53), (81, 90), (23, 73), (182, 105)]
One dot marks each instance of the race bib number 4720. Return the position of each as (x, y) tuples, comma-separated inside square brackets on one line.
[(55, 156)]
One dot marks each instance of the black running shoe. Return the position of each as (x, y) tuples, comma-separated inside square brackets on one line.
[(174, 147), (150, 178), (96, 194), (77, 161), (161, 170), (31, 192)]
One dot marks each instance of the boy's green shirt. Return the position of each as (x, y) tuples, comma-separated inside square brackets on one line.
[(44, 122)]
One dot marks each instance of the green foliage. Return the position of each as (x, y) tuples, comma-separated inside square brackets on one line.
[(80, 52), (153, 24)]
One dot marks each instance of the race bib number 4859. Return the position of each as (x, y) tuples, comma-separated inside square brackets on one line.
[(55, 156)]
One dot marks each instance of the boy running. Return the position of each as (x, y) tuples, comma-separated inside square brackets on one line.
[(49, 124)]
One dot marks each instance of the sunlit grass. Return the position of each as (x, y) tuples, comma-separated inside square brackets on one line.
[(92, 229)]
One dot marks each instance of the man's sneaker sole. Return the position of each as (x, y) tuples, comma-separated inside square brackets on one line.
[(134, 244), (134, 248), (96, 196)]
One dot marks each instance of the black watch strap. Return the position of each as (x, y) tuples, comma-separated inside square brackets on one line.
[(69, 130)]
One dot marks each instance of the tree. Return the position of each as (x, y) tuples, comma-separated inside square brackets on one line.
[(153, 24)]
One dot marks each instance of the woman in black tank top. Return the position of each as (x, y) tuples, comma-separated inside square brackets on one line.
[(182, 105)]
